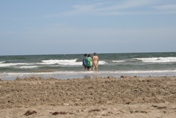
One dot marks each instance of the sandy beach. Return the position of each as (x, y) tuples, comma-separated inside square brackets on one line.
[(109, 97)]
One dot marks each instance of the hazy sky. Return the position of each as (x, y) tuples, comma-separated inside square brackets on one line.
[(86, 26)]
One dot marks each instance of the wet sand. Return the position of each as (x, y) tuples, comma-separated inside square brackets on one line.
[(124, 97)]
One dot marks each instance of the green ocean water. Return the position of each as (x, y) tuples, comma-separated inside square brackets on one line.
[(70, 65)]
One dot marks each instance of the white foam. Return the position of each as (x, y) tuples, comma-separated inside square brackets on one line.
[(27, 67), (86, 72), (102, 62), (12, 64), (71, 62), (62, 62), (118, 61), (158, 59), (83, 74), (147, 71)]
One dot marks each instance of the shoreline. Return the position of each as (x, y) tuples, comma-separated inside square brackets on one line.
[(127, 96), (86, 74)]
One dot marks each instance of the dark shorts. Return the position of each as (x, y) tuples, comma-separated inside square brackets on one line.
[(88, 67)]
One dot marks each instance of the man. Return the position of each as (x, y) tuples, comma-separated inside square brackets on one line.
[(95, 61), (89, 62), (85, 61)]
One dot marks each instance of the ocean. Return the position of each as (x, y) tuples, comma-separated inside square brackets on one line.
[(69, 66)]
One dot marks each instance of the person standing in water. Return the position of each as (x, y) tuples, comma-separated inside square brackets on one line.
[(95, 61), (85, 61), (89, 62)]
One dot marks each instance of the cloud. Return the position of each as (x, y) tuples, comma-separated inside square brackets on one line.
[(111, 8), (166, 7), (126, 7)]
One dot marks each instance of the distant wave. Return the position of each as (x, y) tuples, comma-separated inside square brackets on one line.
[(27, 67), (127, 60), (62, 62), (66, 62), (118, 61), (12, 64), (52, 63), (148, 60), (158, 59)]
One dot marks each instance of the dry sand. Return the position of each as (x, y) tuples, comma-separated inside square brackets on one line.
[(125, 97)]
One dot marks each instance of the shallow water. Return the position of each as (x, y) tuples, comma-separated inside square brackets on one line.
[(70, 65)]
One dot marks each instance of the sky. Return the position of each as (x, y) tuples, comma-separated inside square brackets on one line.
[(30, 27)]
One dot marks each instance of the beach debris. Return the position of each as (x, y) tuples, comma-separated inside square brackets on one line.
[(128, 103), (95, 110), (61, 113), (124, 76), (159, 106), (30, 113), (110, 77), (140, 111)]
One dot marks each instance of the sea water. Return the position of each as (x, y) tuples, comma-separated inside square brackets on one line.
[(68, 66)]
